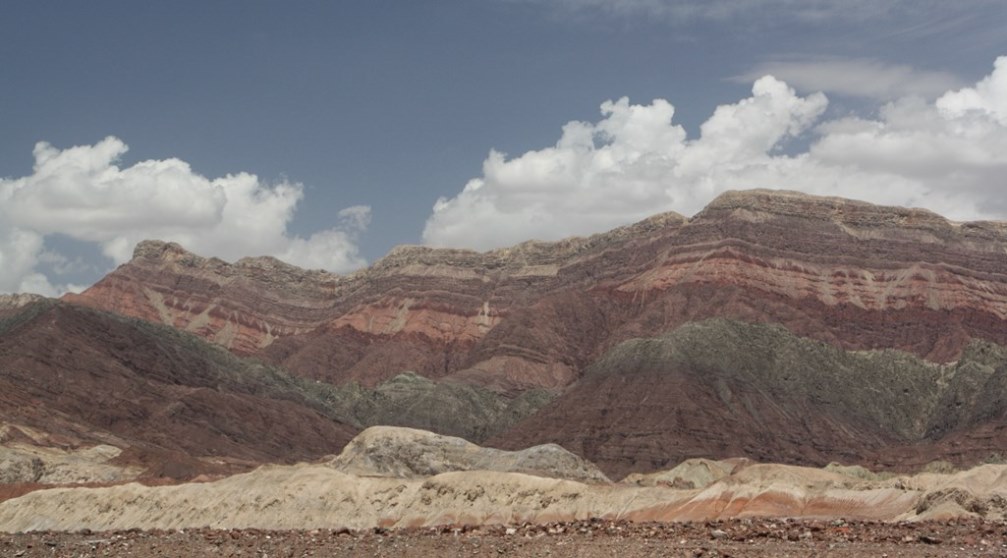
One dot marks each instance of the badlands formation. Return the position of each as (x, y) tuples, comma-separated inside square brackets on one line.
[(759, 359), (381, 481)]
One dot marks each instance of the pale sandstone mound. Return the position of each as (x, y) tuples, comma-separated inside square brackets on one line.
[(761, 490), (30, 456), (691, 473), (318, 496), (977, 492), (25, 463), (385, 451), (773, 490)]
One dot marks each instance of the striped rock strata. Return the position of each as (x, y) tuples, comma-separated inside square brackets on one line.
[(849, 273)]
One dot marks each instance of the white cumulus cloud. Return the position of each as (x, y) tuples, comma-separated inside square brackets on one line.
[(988, 97), (949, 156), (82, 193)]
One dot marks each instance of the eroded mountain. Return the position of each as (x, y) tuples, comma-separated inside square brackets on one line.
[(614, 329)]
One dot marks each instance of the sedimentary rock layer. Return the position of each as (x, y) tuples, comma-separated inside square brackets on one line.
[(852, 274), (168, 403)]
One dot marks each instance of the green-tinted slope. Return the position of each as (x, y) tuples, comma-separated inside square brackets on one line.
[(153, 383), (721, 388), (167, 398), (901, 393), (443, 407)]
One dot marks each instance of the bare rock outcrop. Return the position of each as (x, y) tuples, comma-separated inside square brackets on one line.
[(396, 452), (15, 301), (27, 464), (691, 473), (318, 496)]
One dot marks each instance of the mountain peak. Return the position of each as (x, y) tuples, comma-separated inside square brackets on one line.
[(17, 300), (790, 202), (160, 250)]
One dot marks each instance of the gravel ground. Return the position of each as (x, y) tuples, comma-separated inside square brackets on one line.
[(739, 538)]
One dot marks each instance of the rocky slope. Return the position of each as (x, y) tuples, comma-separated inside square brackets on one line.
[(450, 408), (170, 403), (91, 397), (721, 388)]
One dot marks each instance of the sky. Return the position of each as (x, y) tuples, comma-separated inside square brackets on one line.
[(326, 133)]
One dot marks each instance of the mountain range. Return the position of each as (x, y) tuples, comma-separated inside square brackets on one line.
[(772, 325)]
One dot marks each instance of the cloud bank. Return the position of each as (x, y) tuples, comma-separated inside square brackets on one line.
[(81, 193), (949, 155), (823, 11), (856, 77)]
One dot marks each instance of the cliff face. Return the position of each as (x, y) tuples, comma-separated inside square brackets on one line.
[(243, 306), (854, 275)]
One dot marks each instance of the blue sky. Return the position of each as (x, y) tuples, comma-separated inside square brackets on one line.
[(355, 118)]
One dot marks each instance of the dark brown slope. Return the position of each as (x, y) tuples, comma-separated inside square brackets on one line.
[(726, 389), (167, 398)]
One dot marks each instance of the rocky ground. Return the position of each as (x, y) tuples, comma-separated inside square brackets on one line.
[(739, 538)]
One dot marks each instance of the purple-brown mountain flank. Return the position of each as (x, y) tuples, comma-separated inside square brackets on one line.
[(161, 403)]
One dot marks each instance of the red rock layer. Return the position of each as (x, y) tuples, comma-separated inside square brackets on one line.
[(845, 272)]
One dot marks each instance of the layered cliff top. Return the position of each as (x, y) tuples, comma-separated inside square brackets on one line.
[(860, 219), (763, 255)]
